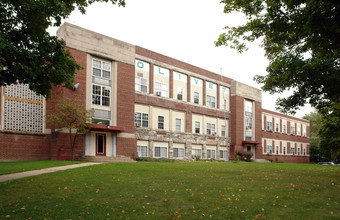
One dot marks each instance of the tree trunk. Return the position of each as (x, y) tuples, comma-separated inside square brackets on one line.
[(71, 142)]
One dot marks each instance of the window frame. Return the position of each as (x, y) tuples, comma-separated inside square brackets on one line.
[(101, 96), (269, 149), (138, 150), (101, 68), (178, 149), (164, 93), (211, 130), (180, 124), (196, 99), (142, 120), (160, 152), (180, 93), (269, 126), (199, 127), (160, 123), (211, 101), (209, 154), (223, 131), (139, 83)]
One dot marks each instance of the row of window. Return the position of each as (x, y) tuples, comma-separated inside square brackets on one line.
[(142, 120), (269, 127), (293, 151), (162, 152)]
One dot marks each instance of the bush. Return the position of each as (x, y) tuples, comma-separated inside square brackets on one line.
[(246, 156), (237, 159)]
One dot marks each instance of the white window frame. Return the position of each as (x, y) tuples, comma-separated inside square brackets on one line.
[(162, 150), (298, 131), (199, 127), (292, 130), (178, 127), (285, 129), (284, 150), (211, 154), (141, 84), (269, 149), (163, 88), (277, 127), (101, 69), (304, 131), (269, 126), (224, 154), (211, 101), (142, 119), (140, 151), (277, 151), (197, 97), (178, 152), (180, 94), (211, 128), (292, 151), (101, 95), (158, 122), (223, 131), (194, 153)]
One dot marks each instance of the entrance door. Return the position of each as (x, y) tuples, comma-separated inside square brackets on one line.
[(100, 145), (250, 148)]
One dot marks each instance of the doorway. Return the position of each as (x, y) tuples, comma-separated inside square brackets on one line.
[(100, 144)]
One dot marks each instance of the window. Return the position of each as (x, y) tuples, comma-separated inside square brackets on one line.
[(141, 84), (224, 103), (141, 119), (292, 130), (161, 89), (277, 150), (304, 151), (211, 101), (284, 151), (298, 151), (277, 127), (100, 121), (196, 97), (292, 150), (178, 124), (249, 135), (210, 129), (284, 129), (269, 149), (178, 152), (196, 153), (223, 133), (223, 154), (161, 152), (248, 106), (249, 120), (197, 127), (210, 154), (304, 133), (101, 69), (160, 122), (142, 151), (269, 126), (298, 130), (101, 95), (179, 93)]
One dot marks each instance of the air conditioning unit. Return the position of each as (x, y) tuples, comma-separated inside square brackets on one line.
[(158, 93), (213, 133), (137, 124)]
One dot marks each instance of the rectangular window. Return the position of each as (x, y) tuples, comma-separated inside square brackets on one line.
[(269, 149), (304, 133), (101, 95), (277, 150), (196, 153), (178, 152), (211, 101), (284, 151), (196, 97), (249, 120), (269, 126), (142, 151), (277, 127), (211, 154), (211, 129), (99, 121), (248, 106), (223, 133), (224, 104), (141, 84), (101, 69), (304, 151), (298, 151), (298, 130), (178, 124), (223, 154), (161, 89), (292, 150), (160, 122), (284, 129), (179, 93), (292, 130), (141, 120), (161, 152), (197, 127)]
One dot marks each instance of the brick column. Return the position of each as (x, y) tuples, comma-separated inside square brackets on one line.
[(204, 92), (151, 79), (218, 96), (171, 83), (189, 89), (188, 122)]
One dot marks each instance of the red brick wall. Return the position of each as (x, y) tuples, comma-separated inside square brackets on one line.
[(61, 147), (126, 146), (24, 147), (237, 120), (0, 103)]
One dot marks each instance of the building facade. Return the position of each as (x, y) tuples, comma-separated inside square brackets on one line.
[(149, 105)]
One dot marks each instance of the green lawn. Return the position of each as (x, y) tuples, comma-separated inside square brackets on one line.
[(20, 166), (177, 190)]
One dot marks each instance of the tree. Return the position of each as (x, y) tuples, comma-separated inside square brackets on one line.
[(302, 42), (70, 116), (28, 54)]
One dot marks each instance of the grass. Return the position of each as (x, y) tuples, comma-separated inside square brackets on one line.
[(177, 191), (21, 166)]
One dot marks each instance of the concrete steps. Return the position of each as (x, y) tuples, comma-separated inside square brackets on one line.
[(107, 159)]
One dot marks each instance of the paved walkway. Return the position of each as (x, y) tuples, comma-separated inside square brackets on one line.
[(13, 176)]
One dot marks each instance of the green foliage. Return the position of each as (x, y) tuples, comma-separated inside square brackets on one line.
[(177, 191), (21, 166), (70, 116), (237, 159), (28, 54), (163, 160), (302, 42)]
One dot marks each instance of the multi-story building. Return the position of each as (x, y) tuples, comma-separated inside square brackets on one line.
[(147, 104)]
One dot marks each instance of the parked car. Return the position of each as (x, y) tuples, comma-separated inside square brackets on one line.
[(326, 163)]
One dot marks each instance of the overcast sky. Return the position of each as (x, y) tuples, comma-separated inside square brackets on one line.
[(182, 29)]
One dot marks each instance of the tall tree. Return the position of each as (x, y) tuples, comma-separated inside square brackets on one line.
[(302, 42), (68, 115), (28, 54)]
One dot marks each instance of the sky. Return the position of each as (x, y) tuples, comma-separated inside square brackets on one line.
[(184, 30)]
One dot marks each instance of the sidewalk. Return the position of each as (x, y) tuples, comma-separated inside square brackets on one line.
[(13, 176)]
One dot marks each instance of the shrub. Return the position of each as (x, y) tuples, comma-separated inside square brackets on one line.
[(237, 159)]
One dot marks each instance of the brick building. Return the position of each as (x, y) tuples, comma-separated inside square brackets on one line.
[(147, 104)]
